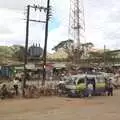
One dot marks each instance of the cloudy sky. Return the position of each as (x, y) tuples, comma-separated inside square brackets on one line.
[(102, 18)]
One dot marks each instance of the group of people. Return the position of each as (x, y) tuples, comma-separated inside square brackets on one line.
[(108, 87), (6, 93)]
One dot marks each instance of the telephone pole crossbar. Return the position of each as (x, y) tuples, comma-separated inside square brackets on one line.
[(36, 21)]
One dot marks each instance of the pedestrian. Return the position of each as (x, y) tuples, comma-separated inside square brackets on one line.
[(106, 86), (90, 89), (15, 84), (4, 91), (110, 87)]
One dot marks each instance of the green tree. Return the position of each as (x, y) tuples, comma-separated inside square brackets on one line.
[(68, 47), (67, 44), (5, 54), (87, 46), (19, 52)]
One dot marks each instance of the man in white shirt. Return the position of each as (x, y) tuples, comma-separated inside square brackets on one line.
[(15, 84), (90, 89)]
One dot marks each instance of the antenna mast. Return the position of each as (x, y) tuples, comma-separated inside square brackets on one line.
[(76, 27)]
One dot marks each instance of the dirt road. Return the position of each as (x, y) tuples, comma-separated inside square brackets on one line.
[(54, 108)]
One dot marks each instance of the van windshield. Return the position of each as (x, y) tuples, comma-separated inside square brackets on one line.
[(81, 80), (70, 82)]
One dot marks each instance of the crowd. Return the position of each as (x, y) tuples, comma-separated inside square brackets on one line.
[(52, 88)]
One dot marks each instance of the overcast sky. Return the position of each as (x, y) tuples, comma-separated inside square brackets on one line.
[(102, 18)]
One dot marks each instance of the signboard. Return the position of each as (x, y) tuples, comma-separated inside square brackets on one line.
[(30, 66), (19, 68)]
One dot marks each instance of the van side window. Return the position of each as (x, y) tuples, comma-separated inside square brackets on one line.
[(81, 81)]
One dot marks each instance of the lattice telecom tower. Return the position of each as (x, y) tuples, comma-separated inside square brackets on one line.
[(77, 25)]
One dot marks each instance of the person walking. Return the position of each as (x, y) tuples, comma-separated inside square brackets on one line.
[(15, 84), (4, 91), (90, 89), (110, 87), (106, 86)]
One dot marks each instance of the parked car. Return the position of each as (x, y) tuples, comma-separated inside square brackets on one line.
[(77, 86)]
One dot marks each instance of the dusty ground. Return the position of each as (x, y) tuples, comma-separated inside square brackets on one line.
[(99, 108)]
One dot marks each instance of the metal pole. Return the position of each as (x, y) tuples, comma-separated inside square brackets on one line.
[(26, 46), (104, 57), (45, 44)]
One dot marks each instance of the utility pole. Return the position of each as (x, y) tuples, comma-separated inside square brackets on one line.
[(45, 44), (47, 11), (26, 47), (104, 56)]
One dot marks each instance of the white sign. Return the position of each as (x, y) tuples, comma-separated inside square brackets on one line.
[(30, 66), (19, 68)]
